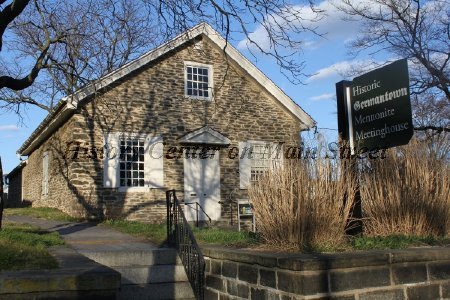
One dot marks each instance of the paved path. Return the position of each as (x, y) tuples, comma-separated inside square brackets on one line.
[(88, 236)]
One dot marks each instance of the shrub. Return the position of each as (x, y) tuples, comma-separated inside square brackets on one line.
[(302, 205), (407, 193)]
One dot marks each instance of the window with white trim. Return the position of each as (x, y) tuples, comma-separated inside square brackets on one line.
[(198, 80), (131, 161), (260, 161), (256, 158)]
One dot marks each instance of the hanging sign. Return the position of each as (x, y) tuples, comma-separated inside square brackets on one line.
[(378, 108)]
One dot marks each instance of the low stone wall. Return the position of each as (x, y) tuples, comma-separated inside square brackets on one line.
[(77, 278), (422, 273)]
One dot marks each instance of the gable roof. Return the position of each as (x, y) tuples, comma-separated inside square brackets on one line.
[(68, 104), (16, 169)]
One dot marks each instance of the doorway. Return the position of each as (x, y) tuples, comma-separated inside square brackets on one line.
[(201, 184)]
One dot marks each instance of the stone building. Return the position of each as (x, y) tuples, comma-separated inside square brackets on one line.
[(15, 181), (181, 116)]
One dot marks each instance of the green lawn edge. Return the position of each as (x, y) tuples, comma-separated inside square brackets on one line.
[(25, 247), (46, 213), (157, 234)]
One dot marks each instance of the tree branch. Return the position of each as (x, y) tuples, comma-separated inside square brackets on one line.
[(435, 128), (11, 102), (9, 13), (22, 83)]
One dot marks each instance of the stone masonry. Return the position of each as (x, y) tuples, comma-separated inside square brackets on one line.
[(421, 273), (151, 100)]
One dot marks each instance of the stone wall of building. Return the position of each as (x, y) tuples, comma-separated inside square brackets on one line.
[(151, 101), (422, 273), (62, 192)]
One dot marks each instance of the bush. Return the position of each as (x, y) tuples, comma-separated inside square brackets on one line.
[(407, 193), (302, 205)]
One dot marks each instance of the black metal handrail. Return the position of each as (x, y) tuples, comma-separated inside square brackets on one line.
[(180, 236), (197, 206)]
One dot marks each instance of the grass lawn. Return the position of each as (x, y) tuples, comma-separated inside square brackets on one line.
[(153, 232), (232, 238), (40, 212), (156, 233), (25, 247), (396, 242)]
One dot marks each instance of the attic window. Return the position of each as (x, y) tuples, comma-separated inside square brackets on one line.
[(198, 79)]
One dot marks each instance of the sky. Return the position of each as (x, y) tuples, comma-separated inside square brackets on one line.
[(326, 59)]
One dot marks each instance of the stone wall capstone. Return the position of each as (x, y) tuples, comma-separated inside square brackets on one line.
[(420, 273)]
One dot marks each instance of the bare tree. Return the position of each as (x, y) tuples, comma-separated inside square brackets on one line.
[(281, 22), (70, 43), (56, 47), (417, 30), (431, 112)]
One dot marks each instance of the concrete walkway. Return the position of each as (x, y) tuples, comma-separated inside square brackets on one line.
[(146, 270), (88, 236)]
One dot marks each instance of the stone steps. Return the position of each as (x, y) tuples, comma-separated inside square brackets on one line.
[(157, 291), (147, 274), (161, 256), (151, 274)]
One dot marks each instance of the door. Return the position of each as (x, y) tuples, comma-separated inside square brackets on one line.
[(201, 184)]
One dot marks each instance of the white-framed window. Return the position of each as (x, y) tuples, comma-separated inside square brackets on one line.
[(133, 162), (45, 175), (260, 161), (198, 80), (256, 158)]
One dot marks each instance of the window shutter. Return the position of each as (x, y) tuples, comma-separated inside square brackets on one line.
[(154, 162), (244, 164), (45, 174), (111, 161), (276, 155)]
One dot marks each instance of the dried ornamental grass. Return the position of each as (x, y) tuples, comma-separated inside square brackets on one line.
[(407, 193), (302, 204)]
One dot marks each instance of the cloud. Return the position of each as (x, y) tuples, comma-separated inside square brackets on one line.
[(345, 68), (330, 71), (333, 25), (326, 96), (276, 23), (9, 128), (9, 136), (259, 36)]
